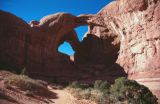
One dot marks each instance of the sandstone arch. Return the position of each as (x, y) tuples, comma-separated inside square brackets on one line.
[(59, 27)]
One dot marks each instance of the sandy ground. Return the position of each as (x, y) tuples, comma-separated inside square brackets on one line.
[(63, 97), (13, 95)]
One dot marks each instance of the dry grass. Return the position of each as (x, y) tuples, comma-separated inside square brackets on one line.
[(26, 84), (88, 94)]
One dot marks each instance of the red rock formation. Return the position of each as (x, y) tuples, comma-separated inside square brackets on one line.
[(132, 31), (13, 33), (35, 47), (129, 43), (43, 57), (21, 46)]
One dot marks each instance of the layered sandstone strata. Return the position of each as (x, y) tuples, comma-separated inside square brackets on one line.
[(132, 27)]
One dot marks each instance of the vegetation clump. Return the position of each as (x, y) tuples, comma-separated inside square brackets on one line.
[(131, 92), (122, 91), (27, 84), (97, 93)]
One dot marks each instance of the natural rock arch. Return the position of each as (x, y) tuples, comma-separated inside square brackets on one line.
[(60, 27)]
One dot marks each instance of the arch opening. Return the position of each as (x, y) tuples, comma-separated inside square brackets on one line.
[(66, 48), (81, 31)]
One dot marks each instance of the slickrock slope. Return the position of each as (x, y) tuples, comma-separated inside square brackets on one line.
[(131, 38)]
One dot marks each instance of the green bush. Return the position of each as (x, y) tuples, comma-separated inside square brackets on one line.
[(97, 93), (130, 91), (122, 91), (101, 85), (98, 96)]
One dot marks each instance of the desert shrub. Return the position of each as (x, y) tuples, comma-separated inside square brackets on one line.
[(122, 91), (78, 90), (97, 93), (75, 92), (101, 85), (117, 90), (89, 94), (75, 84), (26, 84), (85, 94), (130, 91), (99, 97), (100, 92)]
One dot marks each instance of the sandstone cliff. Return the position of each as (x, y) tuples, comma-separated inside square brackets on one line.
[(131, 38)]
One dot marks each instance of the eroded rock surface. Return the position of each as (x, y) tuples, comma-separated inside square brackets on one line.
[(131, 38)]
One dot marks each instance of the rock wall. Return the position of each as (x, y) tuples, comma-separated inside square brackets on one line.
[(43, 63), (133, 33), (13, 33)]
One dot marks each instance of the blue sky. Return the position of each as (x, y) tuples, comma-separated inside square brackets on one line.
[(35, 9)]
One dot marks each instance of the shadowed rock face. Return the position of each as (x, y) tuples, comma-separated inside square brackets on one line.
[(13, 33), (131, 38), (34, 46)]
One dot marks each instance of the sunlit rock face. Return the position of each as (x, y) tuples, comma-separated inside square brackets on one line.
[(133, 31)]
